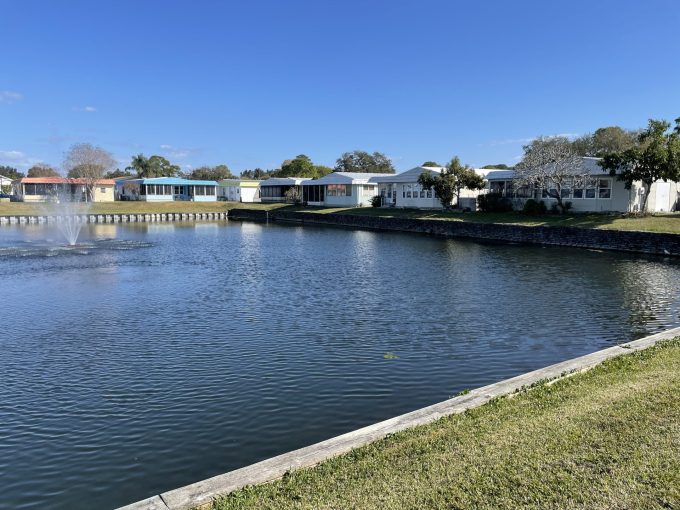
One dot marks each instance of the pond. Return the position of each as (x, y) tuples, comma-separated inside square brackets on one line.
[(154, 355)]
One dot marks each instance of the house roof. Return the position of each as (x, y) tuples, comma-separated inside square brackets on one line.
[(344, 178), (63, 180), (407, 176), (173, 181), (284, 181), (246, 183), (590, 166)]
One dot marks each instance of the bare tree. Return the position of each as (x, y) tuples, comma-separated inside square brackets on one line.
[(89, 163), (551, 164)]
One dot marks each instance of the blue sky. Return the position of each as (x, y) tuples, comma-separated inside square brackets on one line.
[(252, 83)]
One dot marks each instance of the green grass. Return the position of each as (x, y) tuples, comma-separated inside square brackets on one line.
[(668, 222), (608, 438), (28, 209)]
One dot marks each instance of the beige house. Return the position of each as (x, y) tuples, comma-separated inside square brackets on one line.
[(45, 189)]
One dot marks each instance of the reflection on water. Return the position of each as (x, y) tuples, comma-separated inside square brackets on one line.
[(51, 249), (153, 355)]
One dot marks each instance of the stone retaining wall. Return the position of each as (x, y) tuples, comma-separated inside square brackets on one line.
[(619, 240)]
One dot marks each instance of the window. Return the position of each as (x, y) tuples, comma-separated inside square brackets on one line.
[(313, 193), (334, 190), (348, 190), (422, 193), (590, 188), (271, 192), (605, 188), (408, 194), (429, 193)]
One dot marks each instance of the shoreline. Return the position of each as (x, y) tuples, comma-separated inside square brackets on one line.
[(589, 237), (203, 493), (655, 243)]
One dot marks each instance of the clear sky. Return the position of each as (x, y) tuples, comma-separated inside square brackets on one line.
[(251, 83)]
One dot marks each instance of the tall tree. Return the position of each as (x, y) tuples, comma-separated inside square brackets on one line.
[(605, 140), (211, 173), (89, 163), (117, 174), (431, 164), (499, 166), (655, 157), (363, 162), (449, 183), (10, 172), (551, 164), (301, 166), (155, 166), (257, 173), (42, 170)]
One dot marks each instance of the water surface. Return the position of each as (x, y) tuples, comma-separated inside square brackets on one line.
[(156, 355)]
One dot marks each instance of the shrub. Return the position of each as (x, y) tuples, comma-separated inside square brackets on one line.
[(534, 208), (376, 201), (493, 202), (554, 208), (293, 195)]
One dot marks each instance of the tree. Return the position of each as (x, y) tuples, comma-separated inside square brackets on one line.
[(42, 170), (605, 140), (257, 173), (363, 162), (656, 156), (551, 164), (293, 195), (431, 164), (499, 166), (89, 163), (301, 166), (10, 172), (117, 174), (208, 173), (155, 166), (451, 181)]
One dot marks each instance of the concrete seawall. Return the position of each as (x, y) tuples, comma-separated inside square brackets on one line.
[(202, 494), (617, 240), (113, 218)]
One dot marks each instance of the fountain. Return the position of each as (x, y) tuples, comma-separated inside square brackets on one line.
[(67, 205)]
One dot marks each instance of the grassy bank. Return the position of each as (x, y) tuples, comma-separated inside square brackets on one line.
[(669, 222), (29, 209), (654, 223), (607, 438)]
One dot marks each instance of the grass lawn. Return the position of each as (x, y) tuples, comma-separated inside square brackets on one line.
[(669, 222), (607, 438), (654, 223), (28, 209)]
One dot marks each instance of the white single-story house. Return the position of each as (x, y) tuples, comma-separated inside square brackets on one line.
[(403, 190), (341, 189), (239, 190), (600, 192), (44, 189), (6, 184), (274, 189), (166, 189)]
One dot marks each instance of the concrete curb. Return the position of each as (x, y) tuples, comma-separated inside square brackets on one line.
[(204, 492)]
